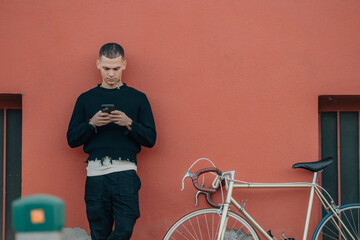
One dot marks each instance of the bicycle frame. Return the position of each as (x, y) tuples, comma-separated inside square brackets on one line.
[(314, 189)]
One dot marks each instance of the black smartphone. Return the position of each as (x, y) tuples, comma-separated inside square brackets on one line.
[(107, 108)]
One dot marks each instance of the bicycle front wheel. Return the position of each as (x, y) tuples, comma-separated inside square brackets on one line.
[(348, 228), (204, 224)]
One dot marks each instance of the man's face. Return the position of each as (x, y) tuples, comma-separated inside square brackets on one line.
[(111, 71)]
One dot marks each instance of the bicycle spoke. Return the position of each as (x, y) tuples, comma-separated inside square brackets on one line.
[(340, 228), (182, 234), (330, 230), (217, 230), (207, 226), (213, 227), (189, 233), (233, 226), (351, 225), (199, 228), (355, 230), (336, 238), (358, 236), (193, 229)]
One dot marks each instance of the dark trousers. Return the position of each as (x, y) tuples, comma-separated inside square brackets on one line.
[(112, 198)]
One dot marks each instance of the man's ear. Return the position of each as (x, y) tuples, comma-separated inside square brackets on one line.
[(124, 65), (98, 64)]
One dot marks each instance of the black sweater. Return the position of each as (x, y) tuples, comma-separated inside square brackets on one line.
[(112, 140)]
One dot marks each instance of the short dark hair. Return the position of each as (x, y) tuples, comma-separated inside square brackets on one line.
[(111, 50)]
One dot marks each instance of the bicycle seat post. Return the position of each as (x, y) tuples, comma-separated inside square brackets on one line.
[(314, 177)]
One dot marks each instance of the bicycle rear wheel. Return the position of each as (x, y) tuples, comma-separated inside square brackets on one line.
[(204, 224), (331, 228)]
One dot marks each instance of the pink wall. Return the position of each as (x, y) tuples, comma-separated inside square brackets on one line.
[(234, 81)]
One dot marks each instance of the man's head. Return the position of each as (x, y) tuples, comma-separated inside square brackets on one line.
[(111, 63), (111, 50)]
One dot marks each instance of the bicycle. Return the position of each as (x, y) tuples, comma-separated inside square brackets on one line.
[(219, 223)]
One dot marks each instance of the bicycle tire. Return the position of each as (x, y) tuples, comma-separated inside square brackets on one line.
[(204, 224), (328, 228)]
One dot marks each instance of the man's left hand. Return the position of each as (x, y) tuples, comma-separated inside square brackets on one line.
[(120, 118)]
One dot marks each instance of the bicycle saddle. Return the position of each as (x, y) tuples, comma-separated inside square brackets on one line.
[(315, 166)]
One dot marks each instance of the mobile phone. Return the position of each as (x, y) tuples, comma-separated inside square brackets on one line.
[(107, 108)]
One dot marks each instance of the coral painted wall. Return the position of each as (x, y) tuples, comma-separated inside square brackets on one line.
[(234, 81)]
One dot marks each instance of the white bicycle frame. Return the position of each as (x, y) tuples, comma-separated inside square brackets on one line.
[(314, 189)]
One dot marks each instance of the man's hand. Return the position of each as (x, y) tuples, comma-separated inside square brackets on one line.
[(100, 119), (120, 119)]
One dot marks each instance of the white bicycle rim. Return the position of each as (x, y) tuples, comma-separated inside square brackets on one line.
[(204, 224)]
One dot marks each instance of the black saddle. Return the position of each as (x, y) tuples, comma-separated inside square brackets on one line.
[(315, 166)]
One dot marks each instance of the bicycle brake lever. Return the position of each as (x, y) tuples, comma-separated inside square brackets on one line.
[(188, 174), (196, 197), (197, 194)]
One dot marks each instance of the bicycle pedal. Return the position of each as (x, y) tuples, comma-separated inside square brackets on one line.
[(283, 237), (269, 232)]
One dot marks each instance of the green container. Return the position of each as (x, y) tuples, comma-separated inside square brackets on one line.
[(38, 213)]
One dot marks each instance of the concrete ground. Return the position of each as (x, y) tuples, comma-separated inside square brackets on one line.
[(65, 234), (74, 234)]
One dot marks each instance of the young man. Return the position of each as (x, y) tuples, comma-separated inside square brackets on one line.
[(112, 137)]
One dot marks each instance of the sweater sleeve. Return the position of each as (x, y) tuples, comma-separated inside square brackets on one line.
[(143, 131), (79, 130)]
